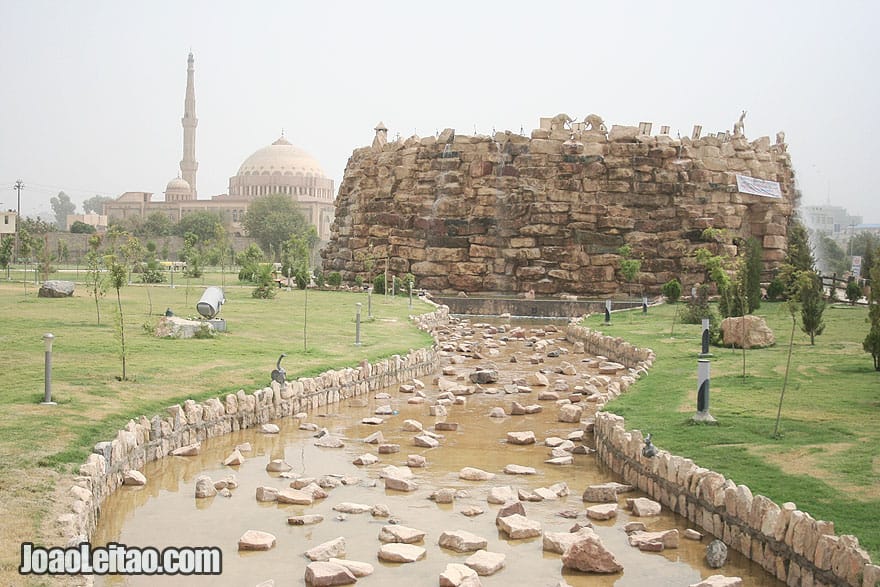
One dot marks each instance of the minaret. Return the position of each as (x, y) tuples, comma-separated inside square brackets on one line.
[(189, 165)]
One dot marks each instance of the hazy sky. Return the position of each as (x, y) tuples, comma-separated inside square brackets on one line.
[(92, 92)]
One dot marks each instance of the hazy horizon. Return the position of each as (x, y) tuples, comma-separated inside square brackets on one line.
[(94, 90)]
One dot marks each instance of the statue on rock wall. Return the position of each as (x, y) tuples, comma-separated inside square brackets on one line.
[(595, 123), (739, 126), (560, 122)]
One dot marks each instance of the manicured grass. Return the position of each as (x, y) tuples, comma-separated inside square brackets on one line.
[(826, 459), (40, 444)]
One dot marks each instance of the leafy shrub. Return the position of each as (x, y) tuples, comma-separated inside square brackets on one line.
[(671, 290), (334, 279), (379, 284), (776, 290), (853, 291)]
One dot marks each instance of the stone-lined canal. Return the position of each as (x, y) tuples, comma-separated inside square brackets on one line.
[(165, 512)]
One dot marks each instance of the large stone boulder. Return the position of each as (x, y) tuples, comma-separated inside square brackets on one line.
[(56, 288), (754, 328), (462, 541), (174, 327), (325, 573), (588, 554), (716, 554)]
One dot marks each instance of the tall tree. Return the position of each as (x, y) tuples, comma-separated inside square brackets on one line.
[(207, 226), (272, 220), (62, 206), (95, 204), (157, 224), (831, 258), (752, 272), (798, 257), (871, 343)]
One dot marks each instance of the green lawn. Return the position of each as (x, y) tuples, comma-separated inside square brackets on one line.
[(40, 444), (827, 459)]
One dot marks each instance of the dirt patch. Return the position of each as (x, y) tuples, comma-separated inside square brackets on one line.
[(807, 460)]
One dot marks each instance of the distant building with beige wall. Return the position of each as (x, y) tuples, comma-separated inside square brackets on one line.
[(279, 168)]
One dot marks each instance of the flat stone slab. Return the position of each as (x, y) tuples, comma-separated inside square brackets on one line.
[(485, 563), (395, 552), (605, 511), (412, 426), (331, 549), (446, 426), (270, 429), (330, 441), (501, 495), (347, 507), (521, 437), (425, 441), (387, 449), (605, 492), (375, 438), (474, 474), (644, 507), (295, 497), (398, 484), (559, 542), (564, 460), (519, 470), (374, 421), (455, 575), (326, 573), (256, 540), (667, 538), (366, 459), (518, 527), (357, 568), (462, 541), (719, 581), (588, 554), (401, 534)]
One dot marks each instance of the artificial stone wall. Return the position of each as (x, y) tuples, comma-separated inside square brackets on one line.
[(786, 542), (147, 439), (549, 212)]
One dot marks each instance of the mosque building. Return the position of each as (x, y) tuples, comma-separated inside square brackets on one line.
[(279, 168)]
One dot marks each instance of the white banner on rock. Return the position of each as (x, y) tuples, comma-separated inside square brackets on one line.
[(758, 187)]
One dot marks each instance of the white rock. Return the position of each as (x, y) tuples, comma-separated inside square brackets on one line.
[(267, 494), (278, 466), (402, 534), (604, 511), (425, 441), (398, 484), (485, 563), (462, 541), (256, 540), (305, 520), (518, 527), (457, 575), (330, 441), (412, 426), (396, 552), (270, 429), (133, 477), (234, 459), (375, 438), (521, 437), (644, 507), (366, 459), (503, 494), (205, 487), (416, 461), (719, 581), (326, 573), (559, 542), (331, 549), (519, 470), (294, 496), (474, 474), (357, 568), (351, 508)]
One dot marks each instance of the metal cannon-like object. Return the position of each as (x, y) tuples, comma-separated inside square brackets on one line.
[(209, 304)]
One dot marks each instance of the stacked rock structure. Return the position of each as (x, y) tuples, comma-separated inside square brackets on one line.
[(548, 213)]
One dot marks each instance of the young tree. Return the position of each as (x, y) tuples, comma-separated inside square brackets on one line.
[(671, 290), (792, 307), (831, 258), (117, 274), (62, 206), (629, 267), (812, 304), (871, 343), (94, 280), (853, 291), (295, 260)]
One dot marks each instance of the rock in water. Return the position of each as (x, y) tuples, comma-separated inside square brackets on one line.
[(716, 554), (589, 555)]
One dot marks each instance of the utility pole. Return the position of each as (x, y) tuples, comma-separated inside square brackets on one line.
[(19, 185)]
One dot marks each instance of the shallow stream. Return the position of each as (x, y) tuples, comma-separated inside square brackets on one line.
[(166, 513)]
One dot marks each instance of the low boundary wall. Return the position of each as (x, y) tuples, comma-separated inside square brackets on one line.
[(147, 439)]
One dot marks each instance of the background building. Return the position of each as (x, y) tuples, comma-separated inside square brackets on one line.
[(279, 168)]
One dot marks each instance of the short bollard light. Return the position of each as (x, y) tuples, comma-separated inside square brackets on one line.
[(607, 312), (357, 325), (370, 303), (47, 394)]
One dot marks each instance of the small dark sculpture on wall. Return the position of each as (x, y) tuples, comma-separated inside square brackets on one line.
[(279, 374), (649, 450)]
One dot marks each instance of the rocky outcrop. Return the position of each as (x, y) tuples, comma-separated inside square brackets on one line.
[(548, 213)]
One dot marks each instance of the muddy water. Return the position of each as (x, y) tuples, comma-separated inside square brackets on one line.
[(165, 513)]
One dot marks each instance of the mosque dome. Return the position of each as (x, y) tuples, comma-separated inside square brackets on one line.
[(281, 158), (177, 189)]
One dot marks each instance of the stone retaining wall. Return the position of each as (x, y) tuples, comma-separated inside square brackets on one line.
[(614, 348), (788, 543), (147, 439)]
